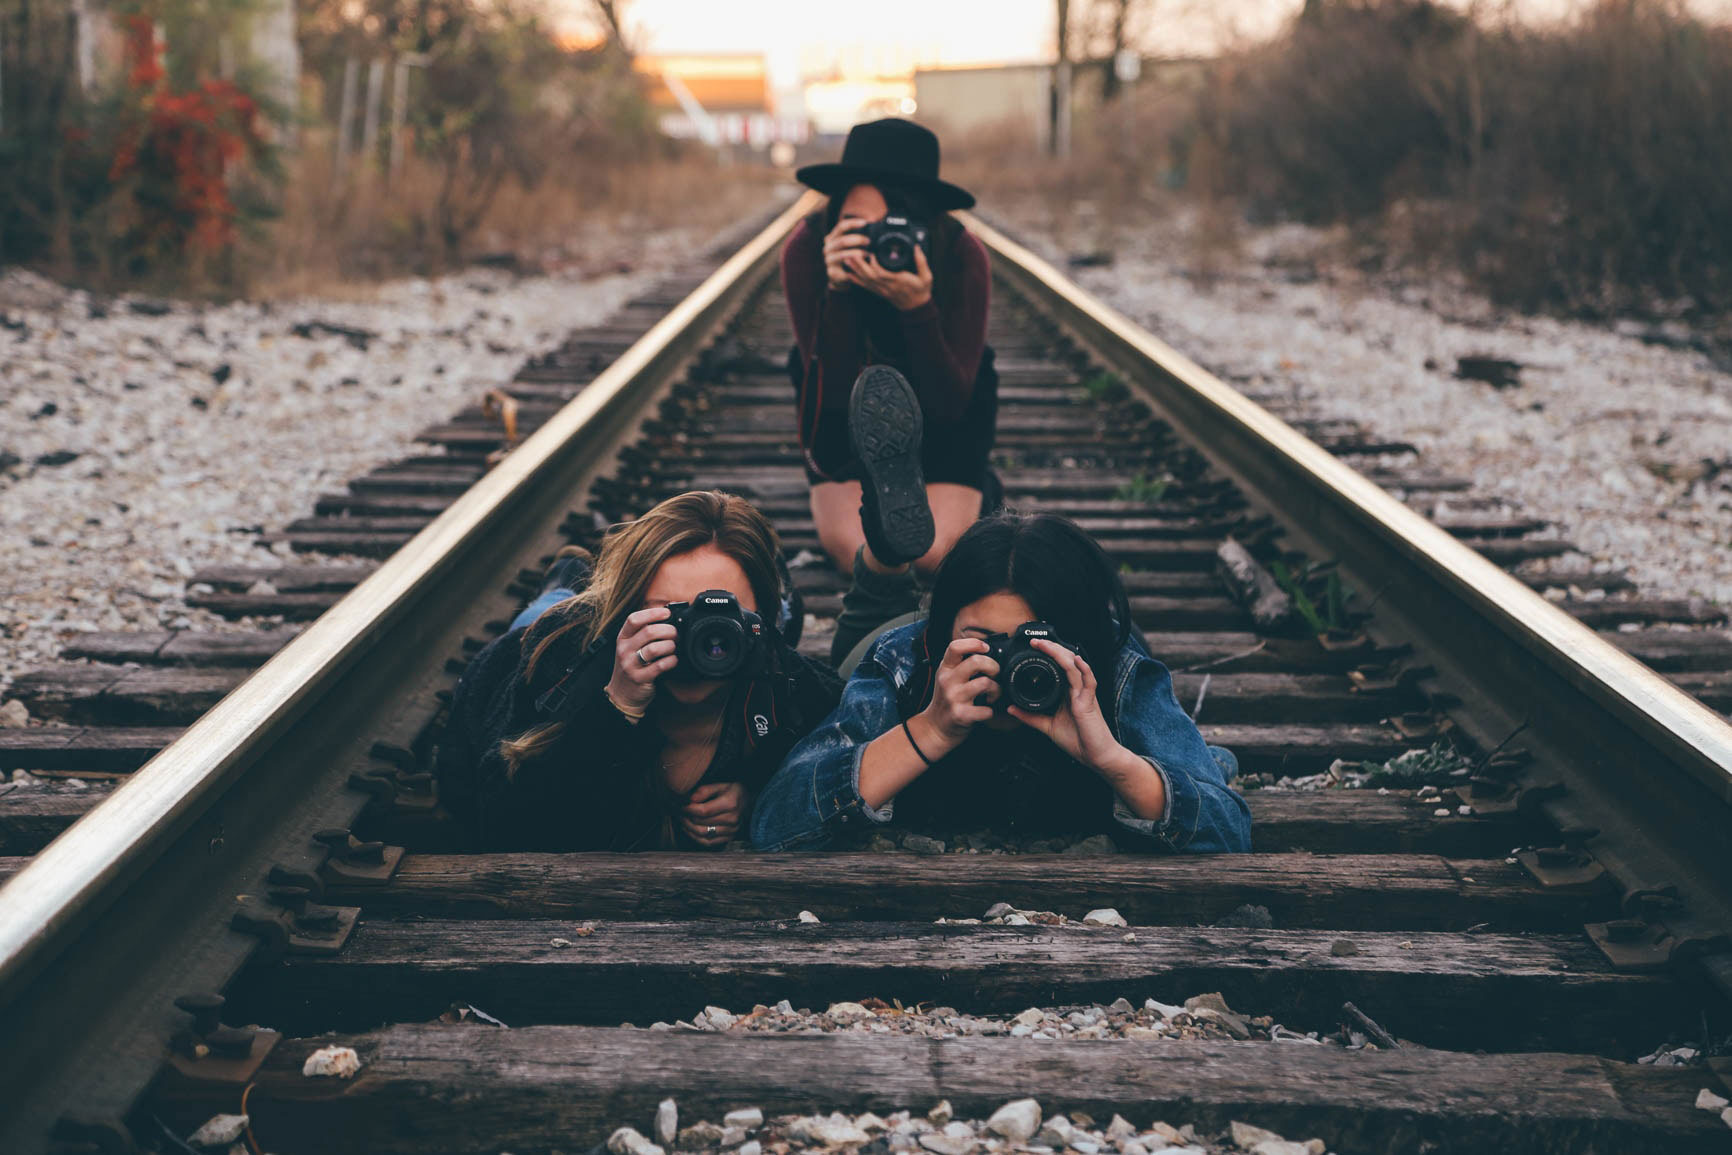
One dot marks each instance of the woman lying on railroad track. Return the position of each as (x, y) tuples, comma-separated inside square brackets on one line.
[(989, 714), (640, 706), (885, 276)]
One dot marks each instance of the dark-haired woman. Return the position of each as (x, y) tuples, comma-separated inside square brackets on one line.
[(568, 732), (897, 396), (922, 732)]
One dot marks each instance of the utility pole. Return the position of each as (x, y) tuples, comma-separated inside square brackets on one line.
[(1058, 127)]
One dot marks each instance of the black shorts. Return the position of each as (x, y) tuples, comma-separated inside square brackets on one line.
[(951, 452)]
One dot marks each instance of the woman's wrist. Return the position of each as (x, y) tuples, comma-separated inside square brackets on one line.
[(933, 739), (1120, 766), (628, 710)]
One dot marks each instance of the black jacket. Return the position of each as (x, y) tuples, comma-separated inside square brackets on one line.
[(598, 787)]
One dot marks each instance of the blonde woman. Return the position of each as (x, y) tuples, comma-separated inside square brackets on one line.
[(645, 710)]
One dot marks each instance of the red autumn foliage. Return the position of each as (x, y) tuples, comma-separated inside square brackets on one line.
[(187, 141)]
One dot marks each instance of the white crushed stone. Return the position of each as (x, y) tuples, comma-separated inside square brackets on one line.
[(332, 1063), (176, 470), (219, 1131), (1606, 436), (1015, 1126)]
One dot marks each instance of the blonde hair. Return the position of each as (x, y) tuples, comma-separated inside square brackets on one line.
[(631, 553)]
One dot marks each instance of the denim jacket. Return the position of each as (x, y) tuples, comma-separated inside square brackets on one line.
[(815, 796)]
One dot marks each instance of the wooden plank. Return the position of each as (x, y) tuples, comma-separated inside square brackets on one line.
[(568, 1087), (1644, 611), (1369, 822), (288, 579), (291, 607), (83, 748), (1676, 650), (249, 649), (118, 696), (31, 818), (383, 504), (1344, 891), (116, 646), (1529, 992), (1290, 748), (1509, 553), (1713, 690), (1319, 821)]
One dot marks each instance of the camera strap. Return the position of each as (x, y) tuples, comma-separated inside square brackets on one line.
[(812, 393), (555, 702)]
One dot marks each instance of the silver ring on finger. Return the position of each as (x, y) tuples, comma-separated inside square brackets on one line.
[(641, 660), (709, 830)]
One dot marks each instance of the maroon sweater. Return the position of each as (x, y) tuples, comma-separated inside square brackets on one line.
[(940, 347)]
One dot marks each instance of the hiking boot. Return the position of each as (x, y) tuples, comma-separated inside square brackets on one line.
[(884, 425)]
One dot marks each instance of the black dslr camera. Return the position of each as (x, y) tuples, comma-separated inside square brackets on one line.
[(1028, 678), (717, 639), (892, 242)]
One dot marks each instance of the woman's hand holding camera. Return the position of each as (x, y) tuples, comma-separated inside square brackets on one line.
[(1078, 727), (847, 261), (644, 652), (962, 698), (841, 241)]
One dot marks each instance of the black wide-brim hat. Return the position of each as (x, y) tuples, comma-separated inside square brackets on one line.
[(892, 152)]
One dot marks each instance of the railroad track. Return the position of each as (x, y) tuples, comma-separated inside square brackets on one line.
[(273, 799)]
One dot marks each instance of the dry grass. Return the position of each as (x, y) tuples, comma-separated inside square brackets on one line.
[(334, 237), (1578, 167)]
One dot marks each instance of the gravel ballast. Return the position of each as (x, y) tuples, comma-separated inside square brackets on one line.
[(1619, 434), (138, 445)]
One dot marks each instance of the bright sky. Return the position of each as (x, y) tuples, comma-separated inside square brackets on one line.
[(891, 37)]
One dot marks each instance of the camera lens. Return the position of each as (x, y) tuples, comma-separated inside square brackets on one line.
[(1035, 685), (716, 647)]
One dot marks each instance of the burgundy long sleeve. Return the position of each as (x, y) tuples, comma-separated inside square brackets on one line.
[(943, 346)]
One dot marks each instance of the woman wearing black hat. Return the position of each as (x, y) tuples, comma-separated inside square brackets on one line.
[(897, 395)]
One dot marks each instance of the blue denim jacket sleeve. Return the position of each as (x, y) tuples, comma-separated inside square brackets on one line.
[(1204, 814), (816, 793)]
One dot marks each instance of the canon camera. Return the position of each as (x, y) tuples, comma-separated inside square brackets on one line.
[(892, 242), (1028, 678), (717, 638)]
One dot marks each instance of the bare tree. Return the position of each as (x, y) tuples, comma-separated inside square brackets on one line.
[(611, 13), (1113, 19)]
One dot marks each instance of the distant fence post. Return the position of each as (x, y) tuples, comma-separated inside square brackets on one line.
[(345, 117), (400, 108), (370, 123)]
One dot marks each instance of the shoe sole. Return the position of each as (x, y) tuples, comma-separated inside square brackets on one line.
[(885, 426)]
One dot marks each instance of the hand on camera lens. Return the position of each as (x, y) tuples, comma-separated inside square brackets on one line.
[(906, 291), (1078, 728), (963, 697), (645, 652), (841, 241)]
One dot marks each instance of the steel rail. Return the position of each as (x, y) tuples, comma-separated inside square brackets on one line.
[(1650, 766), (284, 724)]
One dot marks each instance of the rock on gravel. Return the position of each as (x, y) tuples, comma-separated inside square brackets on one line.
[(1016, 1121), (629, 1141), (143, 446), (219, 1131), (667, 1124), (332, 1063)]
